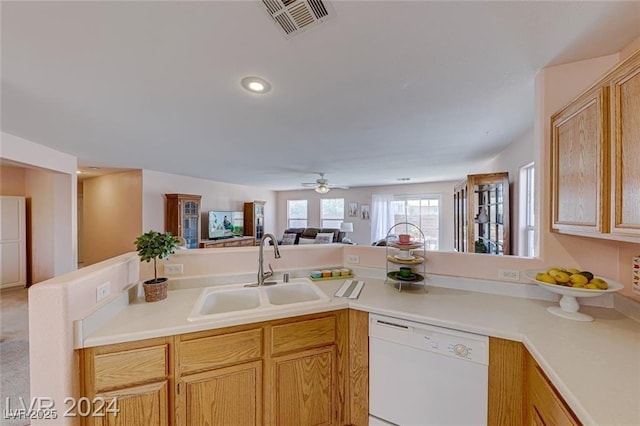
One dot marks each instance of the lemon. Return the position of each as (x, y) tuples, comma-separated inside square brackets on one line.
[(573, 271), (546, 278), (591, 286), (578, 279), (599, 283), (578, 285), (561, 277)]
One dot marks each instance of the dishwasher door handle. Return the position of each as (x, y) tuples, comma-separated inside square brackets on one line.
[(390, 324)]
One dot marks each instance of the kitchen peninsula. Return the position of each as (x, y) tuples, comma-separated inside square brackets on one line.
[(582, 360)]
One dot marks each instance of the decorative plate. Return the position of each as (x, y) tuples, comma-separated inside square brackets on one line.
[(413, 260), (412, 279), (403, 246)]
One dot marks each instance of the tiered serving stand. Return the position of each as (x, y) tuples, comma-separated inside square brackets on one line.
[(404, 255)]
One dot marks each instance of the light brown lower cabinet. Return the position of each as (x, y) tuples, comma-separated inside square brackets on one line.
[(519, 392), (544, 404), (306, 370), (223, 396), (126, 384)]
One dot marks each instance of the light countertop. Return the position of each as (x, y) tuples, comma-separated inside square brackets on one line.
[(594, 365)]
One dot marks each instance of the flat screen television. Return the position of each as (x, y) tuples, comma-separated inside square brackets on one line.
[(225, 224)]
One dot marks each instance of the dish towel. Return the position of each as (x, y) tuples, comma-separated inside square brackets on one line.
[(350, 289)]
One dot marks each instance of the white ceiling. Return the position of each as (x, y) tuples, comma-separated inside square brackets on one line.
[(386, 89)]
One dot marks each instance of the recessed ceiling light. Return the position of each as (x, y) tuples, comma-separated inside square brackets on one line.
[(404, 179), (78, 172), (255, 85)]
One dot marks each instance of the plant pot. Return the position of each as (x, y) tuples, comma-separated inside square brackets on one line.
[(155, 290)]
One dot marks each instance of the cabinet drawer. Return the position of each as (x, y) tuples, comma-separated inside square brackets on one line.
[(546, 404), (303, 334), (117, 369), (216, 351)]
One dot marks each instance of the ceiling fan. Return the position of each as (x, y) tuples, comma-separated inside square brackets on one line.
[(322, 185)]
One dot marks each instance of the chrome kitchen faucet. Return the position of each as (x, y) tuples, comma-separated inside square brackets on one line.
[(262, 276)]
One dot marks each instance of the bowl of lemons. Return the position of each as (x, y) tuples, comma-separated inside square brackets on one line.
[(571, 283)]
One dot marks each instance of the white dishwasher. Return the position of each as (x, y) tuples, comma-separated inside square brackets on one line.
[(422, 375)]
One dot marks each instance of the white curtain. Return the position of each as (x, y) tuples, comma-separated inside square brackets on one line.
[(381, 215)]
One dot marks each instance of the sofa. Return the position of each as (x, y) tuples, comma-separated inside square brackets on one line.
[(308, 235)]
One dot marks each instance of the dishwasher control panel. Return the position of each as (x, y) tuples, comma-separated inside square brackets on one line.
[(444, 341)]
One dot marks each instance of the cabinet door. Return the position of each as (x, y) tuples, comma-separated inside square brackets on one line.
[(579, 165), (303, 391), (139, 405), (625, 124), (224, 396), (190, 221), (545, 405)]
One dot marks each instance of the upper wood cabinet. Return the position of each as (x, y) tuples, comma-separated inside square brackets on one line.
[(594, 156), (579, 164), (182, 217), (625, 126)]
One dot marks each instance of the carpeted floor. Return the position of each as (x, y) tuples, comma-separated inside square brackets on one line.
[(14, 352)]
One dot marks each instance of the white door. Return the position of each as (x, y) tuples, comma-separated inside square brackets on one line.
[(13, 248)]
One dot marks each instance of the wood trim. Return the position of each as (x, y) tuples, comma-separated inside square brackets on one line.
[(358, 379), (506, 382)]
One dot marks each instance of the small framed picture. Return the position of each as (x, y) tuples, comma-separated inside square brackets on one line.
[(364, 212), (353, 209)]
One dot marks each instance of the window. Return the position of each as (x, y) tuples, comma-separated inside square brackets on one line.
[(527, 211), (422, 211), (331, 212), (296, 213)]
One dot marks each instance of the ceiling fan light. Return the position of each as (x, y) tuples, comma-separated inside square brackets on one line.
[(322, 189)]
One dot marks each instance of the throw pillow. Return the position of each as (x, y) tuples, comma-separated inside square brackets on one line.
[(288, 239), (304, 241), (324, 238)]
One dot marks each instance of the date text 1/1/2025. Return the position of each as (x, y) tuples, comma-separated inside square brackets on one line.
[(44, 408)]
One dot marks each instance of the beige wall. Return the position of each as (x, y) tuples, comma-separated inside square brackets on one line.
[(12, 181), (112, 215), (519, 153), (50, 188), (215, 196), (362, 195)]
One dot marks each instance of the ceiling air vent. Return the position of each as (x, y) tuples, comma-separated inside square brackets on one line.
[(296, 16)]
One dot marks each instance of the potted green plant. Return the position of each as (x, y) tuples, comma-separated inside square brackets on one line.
[(154, 245)]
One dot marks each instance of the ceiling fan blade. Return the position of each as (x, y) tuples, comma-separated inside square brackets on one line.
[(309, 184), (337, 186)]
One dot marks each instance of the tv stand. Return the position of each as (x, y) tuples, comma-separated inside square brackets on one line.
[(228, 242)]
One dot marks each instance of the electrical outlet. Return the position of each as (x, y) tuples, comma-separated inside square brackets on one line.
[(509, 274), (173, 269), (352, 258), (103, 291)]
